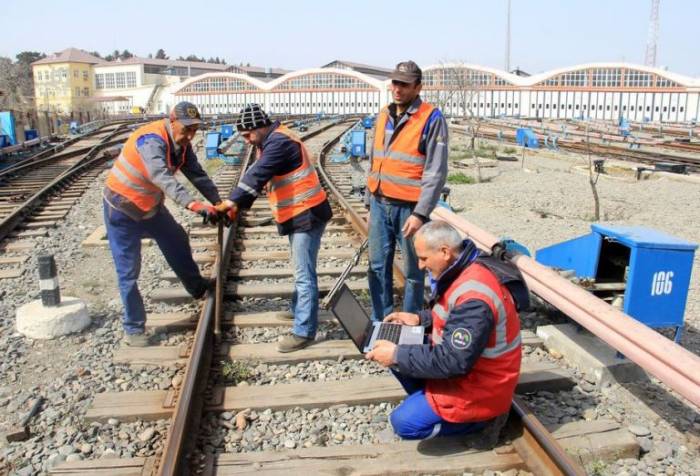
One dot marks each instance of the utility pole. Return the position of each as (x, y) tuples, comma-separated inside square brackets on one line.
[(653, 35), (508, 39)]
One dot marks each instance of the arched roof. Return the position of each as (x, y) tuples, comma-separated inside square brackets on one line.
[(685, 81), (369, 80), (509, 78), (183, 88)]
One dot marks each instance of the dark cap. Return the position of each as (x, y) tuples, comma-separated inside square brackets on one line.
[(407, 72), (252, 117), (187, 113)]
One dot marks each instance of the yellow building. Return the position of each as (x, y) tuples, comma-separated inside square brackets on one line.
[(64, 82)]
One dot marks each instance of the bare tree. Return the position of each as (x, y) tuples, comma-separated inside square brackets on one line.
[(593, 181), (458, 87)]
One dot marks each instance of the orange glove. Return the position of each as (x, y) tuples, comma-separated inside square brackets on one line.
[(208, 212), (229, 209)]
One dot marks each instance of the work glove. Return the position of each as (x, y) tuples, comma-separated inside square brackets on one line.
[(229, 211), (208, 212)]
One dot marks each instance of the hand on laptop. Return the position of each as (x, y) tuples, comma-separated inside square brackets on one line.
[(383, 352), (405, 318)]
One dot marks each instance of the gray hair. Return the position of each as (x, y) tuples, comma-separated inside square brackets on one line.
[(438, 233)]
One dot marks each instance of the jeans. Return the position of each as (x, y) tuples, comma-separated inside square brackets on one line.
[(124, 235), (385, 223), (304, 248), (414, 418)]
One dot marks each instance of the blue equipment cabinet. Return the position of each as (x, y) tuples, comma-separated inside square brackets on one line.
[(527, 138), (226, 131), (357, 140), (653, 269), (212, 144), (7, 127)]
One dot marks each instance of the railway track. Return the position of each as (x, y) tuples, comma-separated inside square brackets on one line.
[(239, 407), (647, 153), (37, 193), (36, 196)]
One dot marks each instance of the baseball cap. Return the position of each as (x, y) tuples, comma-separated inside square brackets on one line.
[(187, 113), (407, 72), (252, 117)]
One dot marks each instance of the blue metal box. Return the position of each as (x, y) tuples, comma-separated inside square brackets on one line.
[(527, 138), (357, 140), (653, 266), (226, 131), (30, 134), (7, 126), (212, 145)]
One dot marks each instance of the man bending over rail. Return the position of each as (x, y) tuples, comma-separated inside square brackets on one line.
[(299, 206), (466, 375), (134, 207)]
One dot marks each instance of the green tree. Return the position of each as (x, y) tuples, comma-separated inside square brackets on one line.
[(126, 54), (160, 54)]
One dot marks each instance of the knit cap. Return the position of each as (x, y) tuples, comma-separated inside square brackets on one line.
[(252, 117)]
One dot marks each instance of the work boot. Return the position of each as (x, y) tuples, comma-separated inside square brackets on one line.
[(208, 284), (491, 433), (285, 315), (136, 340), (293, 342)]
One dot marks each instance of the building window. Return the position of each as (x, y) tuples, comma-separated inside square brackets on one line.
[(680, 109), (99, 81), (109, 80), (130, 79), (86, 92), (86, 76), (76, 74), (665, 83), (606, 77), (637, 79), (64, 73), (121, 80), (38, 76), (77, 91), (576, 107)]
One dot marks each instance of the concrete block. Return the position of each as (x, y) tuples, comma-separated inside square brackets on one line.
[(39, 322), (598, 361)]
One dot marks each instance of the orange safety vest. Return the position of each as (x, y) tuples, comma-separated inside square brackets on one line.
[(297, 191), (129, 176), (487, 390), (397, 171)]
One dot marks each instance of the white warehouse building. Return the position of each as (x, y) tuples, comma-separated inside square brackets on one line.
[(596, 90)]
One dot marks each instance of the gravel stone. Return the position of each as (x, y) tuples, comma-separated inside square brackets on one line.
[(639, 430)]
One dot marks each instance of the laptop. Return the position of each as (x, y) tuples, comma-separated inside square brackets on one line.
[(362, 330)]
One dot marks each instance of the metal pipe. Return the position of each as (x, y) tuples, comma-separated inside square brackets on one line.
[(669, 362)]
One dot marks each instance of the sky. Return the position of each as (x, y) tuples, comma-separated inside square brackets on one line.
[(545, 34)]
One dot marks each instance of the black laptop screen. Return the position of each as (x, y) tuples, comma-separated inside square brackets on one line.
[(351, 315)]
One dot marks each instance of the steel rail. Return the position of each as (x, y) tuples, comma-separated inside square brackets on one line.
[(10, 222), (541, 452), (669, 362), (644, 155), (188, 409)]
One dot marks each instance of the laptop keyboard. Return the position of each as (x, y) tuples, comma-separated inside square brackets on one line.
[(390, 332)]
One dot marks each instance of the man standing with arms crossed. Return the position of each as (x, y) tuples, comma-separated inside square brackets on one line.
[(408, 169)]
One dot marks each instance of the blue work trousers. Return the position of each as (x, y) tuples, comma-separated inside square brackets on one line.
[(415, 419), (385, 223), (304, 249), (124, 235)]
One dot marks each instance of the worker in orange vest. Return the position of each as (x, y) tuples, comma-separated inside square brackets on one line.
[(134, 195), (465, 375), (408, 169), (299, 206)]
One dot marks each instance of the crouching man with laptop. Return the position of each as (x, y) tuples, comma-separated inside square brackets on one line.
[(465, 376)]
